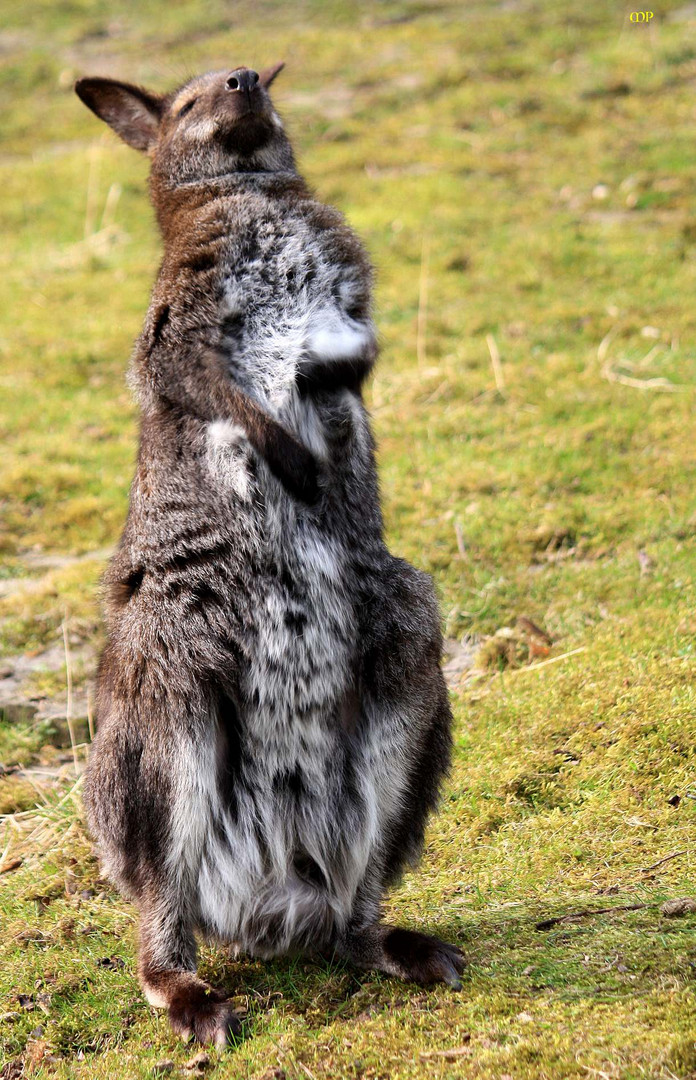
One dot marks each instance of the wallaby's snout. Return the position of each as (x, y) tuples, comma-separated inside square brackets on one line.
[(243, 80), (242, 86)]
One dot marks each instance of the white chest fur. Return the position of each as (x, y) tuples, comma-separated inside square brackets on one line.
[(291, 301)]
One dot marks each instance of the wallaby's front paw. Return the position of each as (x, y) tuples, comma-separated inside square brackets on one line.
[(297, 468), (205, 1015), (423, 959), (308, 483)]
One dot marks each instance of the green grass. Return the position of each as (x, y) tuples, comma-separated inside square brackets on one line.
[(534, 165)]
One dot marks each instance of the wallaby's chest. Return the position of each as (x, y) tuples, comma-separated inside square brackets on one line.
[(289, 292)]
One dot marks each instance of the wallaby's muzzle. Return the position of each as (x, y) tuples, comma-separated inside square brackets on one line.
[(242, 80), (243, 91)]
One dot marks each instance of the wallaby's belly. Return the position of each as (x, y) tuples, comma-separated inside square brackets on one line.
[(282, 869), (291, 844), (300, 664)]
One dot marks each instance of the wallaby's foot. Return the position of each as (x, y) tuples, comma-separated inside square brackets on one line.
[(407, 954), (196, 1010), (423, 959), (204, 1015)]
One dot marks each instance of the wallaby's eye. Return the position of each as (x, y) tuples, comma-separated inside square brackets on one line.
[(186, 108)]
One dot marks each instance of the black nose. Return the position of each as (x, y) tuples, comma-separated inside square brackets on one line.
[(242, 79)]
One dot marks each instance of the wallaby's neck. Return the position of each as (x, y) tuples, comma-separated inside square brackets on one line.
[(180, 207)]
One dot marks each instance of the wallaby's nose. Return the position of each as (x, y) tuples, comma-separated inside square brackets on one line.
[(242, 79)]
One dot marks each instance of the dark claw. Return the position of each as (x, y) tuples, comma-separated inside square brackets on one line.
[(456, 956), (449, 974)]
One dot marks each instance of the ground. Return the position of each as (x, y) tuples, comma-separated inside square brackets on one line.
[(523, 175)]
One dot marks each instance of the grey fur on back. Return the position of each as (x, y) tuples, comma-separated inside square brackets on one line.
[(273, 725)]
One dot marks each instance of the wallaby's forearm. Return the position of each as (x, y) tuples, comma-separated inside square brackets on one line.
[(288, 459), (202, 388)]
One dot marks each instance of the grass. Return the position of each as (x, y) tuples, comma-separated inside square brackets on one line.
[(523, 175)]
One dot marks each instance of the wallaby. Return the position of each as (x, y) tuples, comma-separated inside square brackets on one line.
[(272, 722)]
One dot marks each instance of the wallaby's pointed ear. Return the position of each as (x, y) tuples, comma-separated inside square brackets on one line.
[(268, 75), (132, 112)]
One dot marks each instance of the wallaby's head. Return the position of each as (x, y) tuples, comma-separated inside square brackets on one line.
[(218, 123)]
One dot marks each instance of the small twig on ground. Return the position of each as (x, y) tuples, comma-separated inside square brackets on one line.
[(597, 1072), (603, 347), (11, 864), (449, 1055), (545, 663), (459, 533), (661, 862), (645, 361), (437, 392), (611, 375), (113, 195), (496, 364), (5, 850), (423, 302), (480, 397), (546, 924), (658, 383)]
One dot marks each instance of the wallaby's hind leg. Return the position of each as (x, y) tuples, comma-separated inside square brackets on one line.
[(167, 970), (405, 694), (147, 795), (371, 945), (403, 839), (408, 954)]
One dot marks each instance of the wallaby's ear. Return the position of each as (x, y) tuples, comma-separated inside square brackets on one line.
[(132, 112), (268, 75)]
